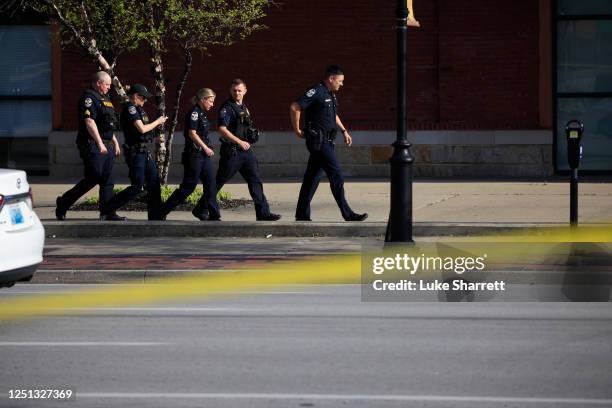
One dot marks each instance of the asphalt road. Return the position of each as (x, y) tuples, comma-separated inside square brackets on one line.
[(313, 347)]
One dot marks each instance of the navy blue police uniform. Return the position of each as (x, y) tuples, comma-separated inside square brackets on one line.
[(237, 119), (138, 155), (98, 167), (321, 106), (198, 167)]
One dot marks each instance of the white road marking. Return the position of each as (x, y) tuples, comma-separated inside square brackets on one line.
[(165, 309), (80, 343), (357, 397)]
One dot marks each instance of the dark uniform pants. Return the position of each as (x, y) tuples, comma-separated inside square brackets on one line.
[(198, 167), (98, 171), (323, 160), (237, 160), (143, 172)]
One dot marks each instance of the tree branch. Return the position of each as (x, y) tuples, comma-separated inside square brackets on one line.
[(77, 34), (92, 49), (86, 19), (175, 111)]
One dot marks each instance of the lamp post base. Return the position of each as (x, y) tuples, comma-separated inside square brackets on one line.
[(399, 227)]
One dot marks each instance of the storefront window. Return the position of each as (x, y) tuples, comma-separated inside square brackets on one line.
[(584, 80), (25, 81), (25, 96)]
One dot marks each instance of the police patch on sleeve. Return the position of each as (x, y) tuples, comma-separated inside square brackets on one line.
[(88, 102), (223, 112), (194, 116), (311, 92), (132, 110)]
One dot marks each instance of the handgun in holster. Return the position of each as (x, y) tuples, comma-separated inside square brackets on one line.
[(314, 138)]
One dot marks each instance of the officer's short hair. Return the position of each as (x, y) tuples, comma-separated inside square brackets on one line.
[(238, 81), (101, 76), (333, 70)]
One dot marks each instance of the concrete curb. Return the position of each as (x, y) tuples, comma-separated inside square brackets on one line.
[(98, 229)]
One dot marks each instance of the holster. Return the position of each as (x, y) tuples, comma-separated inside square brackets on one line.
[(314, 139), (228, 149), (332, 135), (84, 146)]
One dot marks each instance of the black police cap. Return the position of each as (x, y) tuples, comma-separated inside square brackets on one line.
[(140, 90)]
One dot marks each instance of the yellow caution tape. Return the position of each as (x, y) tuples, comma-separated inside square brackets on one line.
[(337, 269)]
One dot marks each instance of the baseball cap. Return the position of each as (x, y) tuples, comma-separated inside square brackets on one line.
[(140, 90)]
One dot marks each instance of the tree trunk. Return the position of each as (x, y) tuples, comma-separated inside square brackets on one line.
[(157, 69), (175, 118)]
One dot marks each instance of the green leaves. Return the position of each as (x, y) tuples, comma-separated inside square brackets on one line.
[(123, 25), (197, 24), (166, 192)]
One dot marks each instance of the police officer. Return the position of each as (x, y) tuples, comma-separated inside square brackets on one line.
[(197, 160), (321, 122), (238, 134), (138, 133), (98, 147)]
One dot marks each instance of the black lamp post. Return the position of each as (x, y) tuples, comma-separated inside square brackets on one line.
[(399, 227)]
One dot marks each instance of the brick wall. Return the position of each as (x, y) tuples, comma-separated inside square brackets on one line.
[(473, 65)]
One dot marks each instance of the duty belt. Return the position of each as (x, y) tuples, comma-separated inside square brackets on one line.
[(140, 147), (325, 136)]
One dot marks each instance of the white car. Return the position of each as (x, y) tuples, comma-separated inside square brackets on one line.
[(22, 236)]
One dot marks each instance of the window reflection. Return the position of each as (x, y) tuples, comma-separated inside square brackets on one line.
[(584, 56)]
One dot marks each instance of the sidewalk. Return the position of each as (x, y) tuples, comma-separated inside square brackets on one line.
[(439, 208)]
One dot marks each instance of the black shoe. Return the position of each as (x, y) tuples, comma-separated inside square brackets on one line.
[(60, 213), (356, 217), (269, 217), (214, 218), (112, 217), (303, 219), (199, 216)]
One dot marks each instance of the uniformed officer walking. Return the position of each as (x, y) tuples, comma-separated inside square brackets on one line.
[(98, 148), (321, 122), (197, 160), (137, 150), (238, 134)]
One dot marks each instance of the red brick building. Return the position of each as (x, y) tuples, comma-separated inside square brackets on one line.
[(473, 64)]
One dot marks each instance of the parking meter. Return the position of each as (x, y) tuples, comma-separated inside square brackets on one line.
[(573, 134)]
